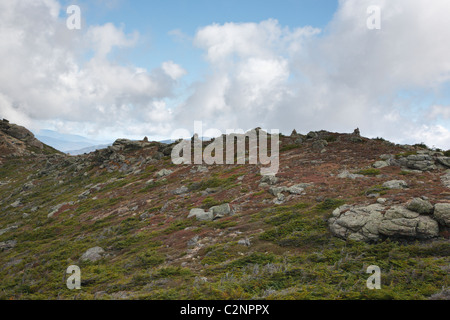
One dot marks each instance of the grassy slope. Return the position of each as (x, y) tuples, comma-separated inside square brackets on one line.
[(292, 254)]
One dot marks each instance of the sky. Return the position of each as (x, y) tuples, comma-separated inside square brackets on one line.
[(149, 68)]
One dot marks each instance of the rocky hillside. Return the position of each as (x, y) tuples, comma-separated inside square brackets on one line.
[(17, 141), (140, 227)]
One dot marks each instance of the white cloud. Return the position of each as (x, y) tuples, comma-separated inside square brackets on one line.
[(44, 76), (265, 75), (260, 74), (173, 70), (438, 111)]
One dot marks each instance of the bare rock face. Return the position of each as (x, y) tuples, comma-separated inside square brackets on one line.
[(16, 140), (369, 223)]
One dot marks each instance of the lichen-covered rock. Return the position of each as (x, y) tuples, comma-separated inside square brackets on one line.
[(442, 213), (420, 206), (357, 223)]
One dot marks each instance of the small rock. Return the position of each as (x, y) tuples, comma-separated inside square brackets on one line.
[(93, 254), (244, 242), (201, 215), (6, 245), (193, 242), (395, 184), (163, 173), (181, 190), (269, 179), (380, 164)]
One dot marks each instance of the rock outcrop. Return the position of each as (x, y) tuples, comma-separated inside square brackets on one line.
[(375, 222)]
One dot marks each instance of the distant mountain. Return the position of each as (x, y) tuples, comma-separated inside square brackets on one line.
[(87, 149), (69, 143)]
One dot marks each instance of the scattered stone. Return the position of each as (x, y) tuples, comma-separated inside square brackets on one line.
[(145, 216), (319, 145), (420, 206), (181, 190), (200, 169), (93, 254), (56, 208), (244, 242), (201, 215), (193, 242), (221, 211), (381, 200), (163, 173), (279, 199), (380, 164), (386, 157), (275, 191), (312, 135), (442, 213), (269, 179), (16, 204), (84, 195), (7, 245), (347, 175), (395, 184), (298, 141), (3, 231)]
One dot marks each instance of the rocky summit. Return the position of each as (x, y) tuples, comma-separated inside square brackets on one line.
[(140, 227)]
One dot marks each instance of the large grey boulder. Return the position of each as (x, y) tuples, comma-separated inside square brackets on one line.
[(442, 213), (93, 254), (422, 162), (368, 223), (357, 223), (399, 221)]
